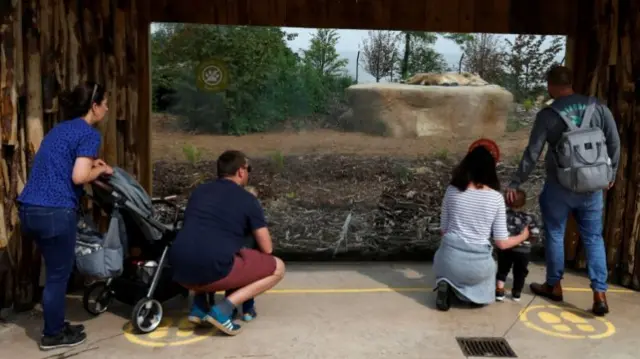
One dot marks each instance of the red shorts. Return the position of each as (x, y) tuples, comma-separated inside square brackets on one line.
[(249, 266)]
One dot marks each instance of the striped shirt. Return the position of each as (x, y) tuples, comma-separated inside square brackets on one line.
[(476, 215)]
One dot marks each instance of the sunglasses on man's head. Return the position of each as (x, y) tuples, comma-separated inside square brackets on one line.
[(248, 168)]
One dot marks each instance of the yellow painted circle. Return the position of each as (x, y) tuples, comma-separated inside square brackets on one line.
[(171, 332), (212, 75), (567, 323)]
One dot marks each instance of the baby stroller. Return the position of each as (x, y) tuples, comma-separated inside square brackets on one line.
[(143, 281)]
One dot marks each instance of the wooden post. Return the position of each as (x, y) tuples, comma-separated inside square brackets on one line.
[(33, 69), (572, 236), (144, 96), (608, 47), (110, 71)]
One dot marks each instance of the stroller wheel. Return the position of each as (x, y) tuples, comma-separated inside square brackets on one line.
[(96, 298), (146, 315)]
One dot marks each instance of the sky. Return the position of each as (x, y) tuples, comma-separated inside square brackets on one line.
[(350, 41)]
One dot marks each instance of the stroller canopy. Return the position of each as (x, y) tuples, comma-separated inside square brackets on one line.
[(127, 187)]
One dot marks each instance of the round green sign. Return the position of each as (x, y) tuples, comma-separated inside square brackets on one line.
[(212, 75)]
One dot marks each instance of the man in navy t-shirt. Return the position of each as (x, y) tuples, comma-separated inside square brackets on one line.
[(208, 254)]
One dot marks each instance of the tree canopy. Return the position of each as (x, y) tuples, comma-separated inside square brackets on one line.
[(271, 86), (269, 83)]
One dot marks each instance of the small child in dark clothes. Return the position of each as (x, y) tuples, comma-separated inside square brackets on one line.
[(517, 257)]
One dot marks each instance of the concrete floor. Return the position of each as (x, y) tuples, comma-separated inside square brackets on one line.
[(358, 311)]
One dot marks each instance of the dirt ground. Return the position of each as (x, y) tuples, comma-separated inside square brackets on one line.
[(169, 145), (330, 194)]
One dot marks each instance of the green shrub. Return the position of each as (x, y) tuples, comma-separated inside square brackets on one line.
[(527, 104), (192, 154)]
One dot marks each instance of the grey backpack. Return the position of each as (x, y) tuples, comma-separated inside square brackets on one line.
[(582, 161)]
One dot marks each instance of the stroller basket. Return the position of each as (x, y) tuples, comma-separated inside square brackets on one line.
[(97, 255)]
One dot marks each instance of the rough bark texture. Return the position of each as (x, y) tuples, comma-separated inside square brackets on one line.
[(612, 73), (47, 47)]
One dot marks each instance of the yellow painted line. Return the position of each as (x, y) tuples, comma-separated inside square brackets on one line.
[(347, 290), (402, 290)]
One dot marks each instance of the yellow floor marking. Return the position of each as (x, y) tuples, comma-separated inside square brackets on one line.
[(566, 322), (165, 323), (185, 328), (159, 333), (165, 335), (162, 330), (586, 328), (572, 317), (549, 318), (401, 290), (562, 328)]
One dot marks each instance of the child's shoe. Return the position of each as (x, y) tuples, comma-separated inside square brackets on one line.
[(249, 314), (499, 294), (249, 310), (515, 295)]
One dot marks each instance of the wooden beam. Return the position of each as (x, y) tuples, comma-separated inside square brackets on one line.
[(550, 17), (145, 166), (543, 17), (109, 69), (569, 52)]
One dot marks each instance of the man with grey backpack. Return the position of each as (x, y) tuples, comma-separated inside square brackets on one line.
[(581, 162)]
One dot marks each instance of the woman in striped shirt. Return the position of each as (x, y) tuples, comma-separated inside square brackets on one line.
[(473, 212)]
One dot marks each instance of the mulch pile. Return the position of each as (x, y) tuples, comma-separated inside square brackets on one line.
[(332, 206)]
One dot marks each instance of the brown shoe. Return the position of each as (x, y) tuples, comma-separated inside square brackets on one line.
[(544, 290), (600, 306)]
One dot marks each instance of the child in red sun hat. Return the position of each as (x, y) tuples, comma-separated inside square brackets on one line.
[(517, 258), (489, 145)]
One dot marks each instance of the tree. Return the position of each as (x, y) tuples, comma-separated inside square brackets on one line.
[(411, 39), (379, 53), (269, 84), (484, 55), (462, 40), (424, 58), (527, 62), (322, 54)]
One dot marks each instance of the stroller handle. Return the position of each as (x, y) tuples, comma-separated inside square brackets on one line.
[(126, 203), (102, 185)]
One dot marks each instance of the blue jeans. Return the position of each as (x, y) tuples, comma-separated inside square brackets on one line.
[(54, 232), (556, 202)]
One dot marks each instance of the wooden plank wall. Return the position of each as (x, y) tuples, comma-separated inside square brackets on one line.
[(606, 64), (491, 16), (46, 47)]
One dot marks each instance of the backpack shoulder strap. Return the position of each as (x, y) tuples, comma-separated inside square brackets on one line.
[(564, 118), (588, 113)]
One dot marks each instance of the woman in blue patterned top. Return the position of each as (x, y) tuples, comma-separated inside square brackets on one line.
[(64, 163)]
